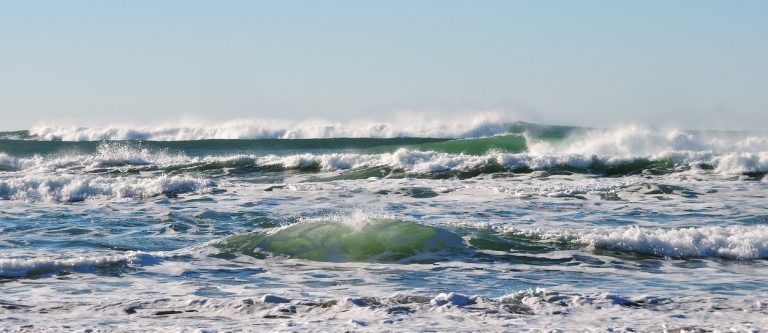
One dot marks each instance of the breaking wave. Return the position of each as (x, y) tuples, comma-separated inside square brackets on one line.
[(479, 125), (123, 160), (732, 242)]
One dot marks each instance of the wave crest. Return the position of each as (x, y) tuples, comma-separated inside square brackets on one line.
[(416, 126), (15, 268)]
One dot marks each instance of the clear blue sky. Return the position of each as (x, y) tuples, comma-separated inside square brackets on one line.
[(686, 63)]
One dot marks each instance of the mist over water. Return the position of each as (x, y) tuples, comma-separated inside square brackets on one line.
[(383, 226)]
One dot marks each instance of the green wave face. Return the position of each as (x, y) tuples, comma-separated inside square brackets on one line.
[(375, 241), (477, 146)]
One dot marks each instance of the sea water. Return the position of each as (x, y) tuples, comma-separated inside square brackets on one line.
[(477, 227)]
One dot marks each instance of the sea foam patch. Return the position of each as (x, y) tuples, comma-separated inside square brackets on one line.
[(536, 309)]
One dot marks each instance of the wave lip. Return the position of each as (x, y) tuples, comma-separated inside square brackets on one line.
[(16, 268)]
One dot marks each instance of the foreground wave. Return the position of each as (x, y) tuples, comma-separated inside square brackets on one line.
[(370, 241)]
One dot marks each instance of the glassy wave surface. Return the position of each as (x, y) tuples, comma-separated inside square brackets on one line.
[(484, 224)]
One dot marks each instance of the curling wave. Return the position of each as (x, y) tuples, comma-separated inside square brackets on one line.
[(73, 188)]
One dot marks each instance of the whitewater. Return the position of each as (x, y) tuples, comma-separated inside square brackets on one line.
[(475, 225)]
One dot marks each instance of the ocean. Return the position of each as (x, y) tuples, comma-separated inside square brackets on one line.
[(490, 226)]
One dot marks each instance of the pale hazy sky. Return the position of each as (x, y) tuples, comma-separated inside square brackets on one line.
[(685, 63)]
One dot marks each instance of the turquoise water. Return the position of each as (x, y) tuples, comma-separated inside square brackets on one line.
[(534, 227)]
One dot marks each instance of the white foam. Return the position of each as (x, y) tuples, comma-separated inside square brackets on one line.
[(431, 162), (735, 242), (420, 161), (8, 162), (69, 188), (559, 190), (108, 155), (402, 159), (742, 162), (25, 267), (116, 156)]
